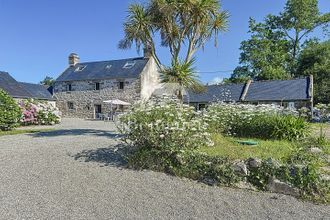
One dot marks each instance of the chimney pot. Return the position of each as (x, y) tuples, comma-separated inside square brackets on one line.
[(73, 59)]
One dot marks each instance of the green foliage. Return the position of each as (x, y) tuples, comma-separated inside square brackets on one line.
[(47, 81), (10, 112), (274, 48), (264, 122), (179, 23), (165, 126), (229, 147), (315, 60), (20, 131), (184, 75)]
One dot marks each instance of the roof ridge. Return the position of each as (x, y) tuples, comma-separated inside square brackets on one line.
[(101, 61), (281, 80)]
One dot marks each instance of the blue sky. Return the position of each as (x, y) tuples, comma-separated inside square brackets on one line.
[(36, 36)]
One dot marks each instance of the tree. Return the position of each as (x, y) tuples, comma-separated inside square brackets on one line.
[(264, 56), (179, 23), (315, 60), (182, 74), (184, 26), (272, 51), (48, 81), (10, 112), (299, 18)]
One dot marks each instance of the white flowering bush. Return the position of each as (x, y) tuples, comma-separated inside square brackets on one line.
[(323, 112), (161, 131), (259, 121), (39, 113)]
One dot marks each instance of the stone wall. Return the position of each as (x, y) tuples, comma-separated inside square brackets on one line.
[(84, 96)]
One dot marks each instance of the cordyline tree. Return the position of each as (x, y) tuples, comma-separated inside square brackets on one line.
[(184, 26), (273, 50)]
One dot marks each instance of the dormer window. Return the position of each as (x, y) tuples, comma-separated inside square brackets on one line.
[(80, 68), (107, 67), (129, 64)]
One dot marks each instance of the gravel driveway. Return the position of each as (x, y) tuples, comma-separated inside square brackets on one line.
[(75, 172)]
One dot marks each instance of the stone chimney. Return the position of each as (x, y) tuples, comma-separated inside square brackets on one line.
[(73, 59), (147, 52)]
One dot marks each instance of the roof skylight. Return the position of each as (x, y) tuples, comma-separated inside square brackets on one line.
[(80, 68), (129, 64)]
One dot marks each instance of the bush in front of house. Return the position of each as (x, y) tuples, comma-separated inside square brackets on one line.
[(159, 131), (10, 113), (261, 121), (166, 137), (39, 113)]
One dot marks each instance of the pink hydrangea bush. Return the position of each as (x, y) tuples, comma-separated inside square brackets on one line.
[(39, 113)]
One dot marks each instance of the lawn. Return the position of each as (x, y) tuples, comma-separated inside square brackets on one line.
[(228, 146), (316, 129), (27, 131)]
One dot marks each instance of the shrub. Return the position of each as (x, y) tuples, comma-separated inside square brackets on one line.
[(10, 113), (263, 121), (39, 113), (168, 127), (164, 135)]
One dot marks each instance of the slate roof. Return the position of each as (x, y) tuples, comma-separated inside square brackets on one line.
[(37, 91), (11, 86), (23, 90), (213, 93), (275, 90), (98, 70), (295, 89)]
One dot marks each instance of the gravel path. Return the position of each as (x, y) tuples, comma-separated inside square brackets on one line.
[(76, 173)]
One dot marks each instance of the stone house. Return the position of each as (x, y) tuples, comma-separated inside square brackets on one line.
[(84, 86), (22, 91), (294, 93)]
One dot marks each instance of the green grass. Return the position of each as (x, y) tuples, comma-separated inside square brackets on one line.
[(27, 131), (316, 129), (227, 146)]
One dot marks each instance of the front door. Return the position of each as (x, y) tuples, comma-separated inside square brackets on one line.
[(98, 110)]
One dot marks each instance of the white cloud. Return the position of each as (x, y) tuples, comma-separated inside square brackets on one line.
[(216, 80)]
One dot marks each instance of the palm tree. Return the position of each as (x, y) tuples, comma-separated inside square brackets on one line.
[(182, 74), (180, 23), (139, 30)]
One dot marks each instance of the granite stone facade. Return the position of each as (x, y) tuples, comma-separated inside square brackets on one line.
[(84, 98)]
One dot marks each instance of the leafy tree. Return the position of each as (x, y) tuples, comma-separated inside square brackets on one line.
[(273, 50), (315, 60), (10, 111), (182, 74), (264, 55), (183, 26), (48, 81), (299, 18)]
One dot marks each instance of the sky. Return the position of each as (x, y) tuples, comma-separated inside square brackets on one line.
[(36, 36)]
